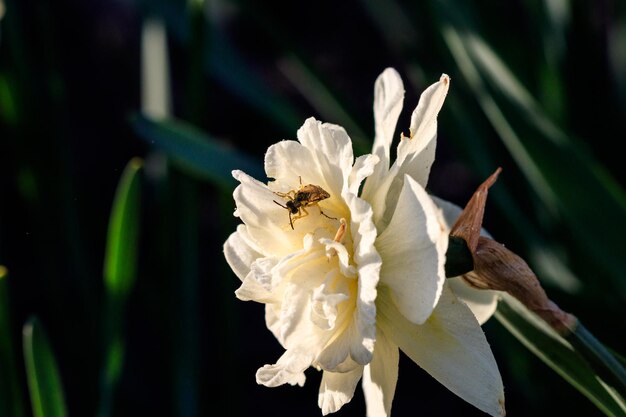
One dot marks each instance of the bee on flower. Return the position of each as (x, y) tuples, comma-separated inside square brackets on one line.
[(347, 286)]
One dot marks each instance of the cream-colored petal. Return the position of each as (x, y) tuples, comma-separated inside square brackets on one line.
[(288, 162), (363, 167), (252, 290), (288, 370), (368, 263), (451, 347), (380, 377), (413, 248), (239, 253), (483, 303), (417, 153), (267, 224), (388, 98), (337, 389), (331, 148)]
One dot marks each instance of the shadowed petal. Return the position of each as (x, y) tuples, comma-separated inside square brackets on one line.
[(451, 347), (239, 252)]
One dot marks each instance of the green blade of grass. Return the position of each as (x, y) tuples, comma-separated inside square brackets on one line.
[(557, 353), (10, 391), (120, 270), (44, 382), (123, 233), (194, 151)]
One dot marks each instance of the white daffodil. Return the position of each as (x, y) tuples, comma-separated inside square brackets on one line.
[(347, 280)]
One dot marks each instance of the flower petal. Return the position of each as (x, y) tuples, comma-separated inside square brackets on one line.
[(413, 249), (417, 152), (483, 303), (331, 148), (288, 370), (368, 263), (380, 377), (363, 168), (287, 162), (267, 224), (337, 389), (388, 98), (451, 347), (239, 252)]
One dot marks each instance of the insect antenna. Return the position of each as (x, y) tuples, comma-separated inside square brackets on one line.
[(285, 207)]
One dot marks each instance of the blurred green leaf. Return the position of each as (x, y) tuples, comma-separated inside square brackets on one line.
[(557, 353), (44, 382), (10, 391), (120, 262), (195, 151)]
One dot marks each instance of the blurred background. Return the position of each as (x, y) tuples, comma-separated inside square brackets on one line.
[(193, 89)]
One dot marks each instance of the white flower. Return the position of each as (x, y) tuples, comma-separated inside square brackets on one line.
[(349, 279)]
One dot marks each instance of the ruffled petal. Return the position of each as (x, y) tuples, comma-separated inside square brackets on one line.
[(388, 98), (413, 249), (337, 389), (288, 162), (288, 370), (267, 224), (331, 148), (380, 377), (451, 347), (239, 252)]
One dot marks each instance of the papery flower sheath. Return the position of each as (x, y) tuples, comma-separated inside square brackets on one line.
[(347, 277)]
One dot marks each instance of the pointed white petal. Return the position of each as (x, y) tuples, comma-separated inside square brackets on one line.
[(337, 389), (417, 153), (380, 377), (451, 347), (413, 249), (239, 252), (388, 97), (288, 370)]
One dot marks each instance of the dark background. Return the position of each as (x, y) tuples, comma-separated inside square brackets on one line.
[(70, 80)]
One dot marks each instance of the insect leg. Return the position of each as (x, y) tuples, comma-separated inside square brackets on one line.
[(326, 215)]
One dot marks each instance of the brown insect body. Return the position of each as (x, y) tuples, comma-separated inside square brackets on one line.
[(306, 196)]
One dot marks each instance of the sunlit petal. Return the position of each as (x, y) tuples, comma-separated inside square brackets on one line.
[(414, 246)]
